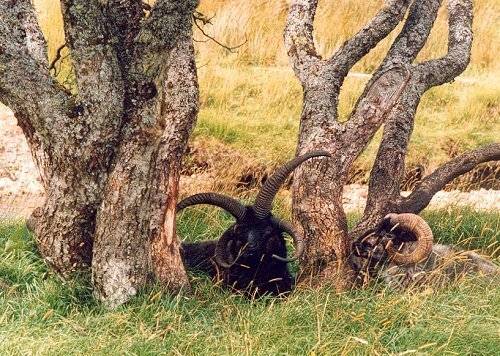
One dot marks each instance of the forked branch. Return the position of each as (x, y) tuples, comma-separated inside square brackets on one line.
[(389, 165), (368, 37), (298, 36), (445, 69), (414, 34), (198, 18)]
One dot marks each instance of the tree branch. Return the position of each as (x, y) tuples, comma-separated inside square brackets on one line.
[(98, 74), (414, 34), (402, 52), (58, 57), (199, 17), (434, 182), (443, 70), (382, 95), (388, 168), (298, 36), (368, 37), (156, 36), (123, 20), (25, 84)]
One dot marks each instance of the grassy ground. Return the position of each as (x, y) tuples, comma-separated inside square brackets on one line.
[(39, 314)]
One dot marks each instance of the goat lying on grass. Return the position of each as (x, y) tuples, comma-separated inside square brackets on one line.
[(251, 255), (401, 252)]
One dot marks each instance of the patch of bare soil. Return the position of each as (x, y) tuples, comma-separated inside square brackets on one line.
[(210, 166), (20, 187)]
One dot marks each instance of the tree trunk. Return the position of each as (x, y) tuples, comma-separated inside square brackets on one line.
[(109, 156), (391, 96), (136, 223)]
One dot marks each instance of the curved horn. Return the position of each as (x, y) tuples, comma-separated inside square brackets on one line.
[(297, 241), (423, 233), (264, 200), (232, 206), (221, 254)]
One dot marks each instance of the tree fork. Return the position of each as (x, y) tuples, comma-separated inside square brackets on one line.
[(109, 155), (317, 189)]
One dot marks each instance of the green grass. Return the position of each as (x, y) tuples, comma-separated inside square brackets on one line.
[(255, 110), (40, 314)]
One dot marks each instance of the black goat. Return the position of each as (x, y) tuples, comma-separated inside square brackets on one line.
[(251, 255)]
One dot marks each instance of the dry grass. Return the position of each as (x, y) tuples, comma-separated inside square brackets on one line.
[(251, 100), (261, 23)]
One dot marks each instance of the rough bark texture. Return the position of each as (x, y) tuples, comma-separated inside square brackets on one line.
[(108, 155), (391, 97)]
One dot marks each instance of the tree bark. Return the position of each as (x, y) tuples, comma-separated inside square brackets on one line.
[(317, 187), (391, 97), (109, 155), (143, 200)]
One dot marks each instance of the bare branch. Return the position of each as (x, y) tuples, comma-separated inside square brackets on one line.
[(434, 182), (298, 36), (24, 77), (94, 58), (388, 168), (57, 58), (123, 21), (203, 18), (157, 36), (403, 51), (382, 95), (368, 37), (414, 34), (204, 21), (445, 69)]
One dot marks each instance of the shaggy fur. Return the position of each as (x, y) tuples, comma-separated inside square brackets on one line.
[(445, 264), (251, 256), (254, 271)]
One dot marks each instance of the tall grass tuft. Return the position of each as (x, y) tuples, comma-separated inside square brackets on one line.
[(41, 314)]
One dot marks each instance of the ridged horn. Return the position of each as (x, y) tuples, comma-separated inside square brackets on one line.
[(420, 229), (232, 206), (264, 200), (297, 241)]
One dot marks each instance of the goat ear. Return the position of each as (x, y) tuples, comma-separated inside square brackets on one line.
[(222, 257)]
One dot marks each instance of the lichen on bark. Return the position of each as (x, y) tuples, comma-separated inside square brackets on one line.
[(391, 99), (101, 151)]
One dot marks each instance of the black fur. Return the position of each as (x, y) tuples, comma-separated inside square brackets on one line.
[(254, 271), (251, 256)]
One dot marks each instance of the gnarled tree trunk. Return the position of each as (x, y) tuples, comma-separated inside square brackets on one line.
[(109, 155), (391, 97)]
